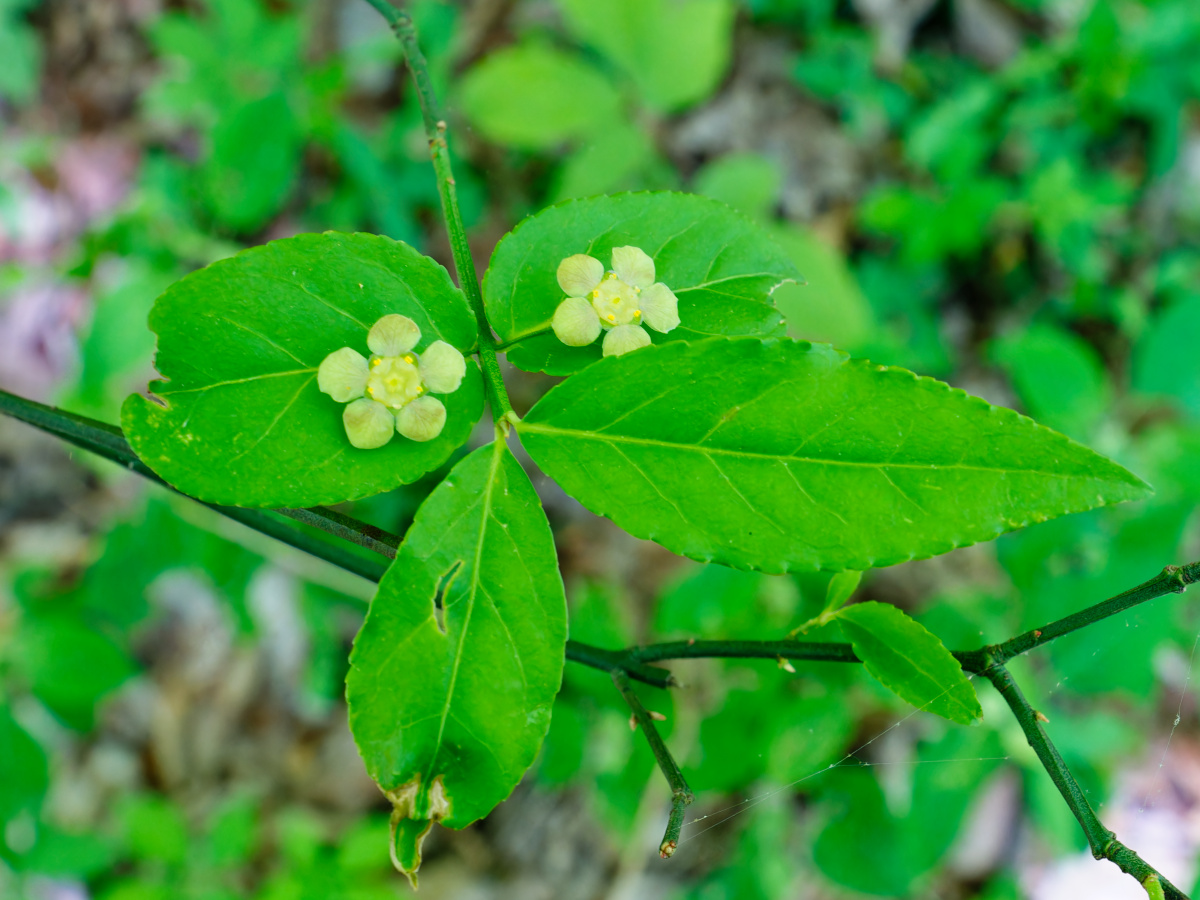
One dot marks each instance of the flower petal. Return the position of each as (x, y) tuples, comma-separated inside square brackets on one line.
[(575, 322), (393, 335), (343, 375), (422, 420), (660, 307), (633, 266), (624, 338), (442, 368), (368, 424), (579, 274)]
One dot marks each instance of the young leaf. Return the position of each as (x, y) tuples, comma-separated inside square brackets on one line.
[(841, 587), (787, 456), (719, 264), (909, 660), (241, 420), (449, 707)]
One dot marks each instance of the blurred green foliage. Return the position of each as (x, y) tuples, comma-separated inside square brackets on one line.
[(1027, 228)]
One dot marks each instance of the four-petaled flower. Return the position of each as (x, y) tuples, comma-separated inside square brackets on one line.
[(617, 301), (388, 392)]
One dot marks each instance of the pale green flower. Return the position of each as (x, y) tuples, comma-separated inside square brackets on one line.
[(618, 302), (389, 392)]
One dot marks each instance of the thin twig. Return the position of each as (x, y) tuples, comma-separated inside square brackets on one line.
[(1103, 843), (681, 794), (108, 441), (1171, 580)]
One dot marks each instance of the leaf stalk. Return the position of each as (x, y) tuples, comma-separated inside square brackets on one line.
[(402, 25)]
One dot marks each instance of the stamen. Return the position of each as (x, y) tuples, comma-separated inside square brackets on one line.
[(611, 317)]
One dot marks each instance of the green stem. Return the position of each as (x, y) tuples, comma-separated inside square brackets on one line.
[(108, 441), (816, 651), (435, 130), (1171, 580), (1103, 843), (681, 794), (619, 661)]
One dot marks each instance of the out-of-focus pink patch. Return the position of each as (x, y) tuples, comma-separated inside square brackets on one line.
[(1155, 810), (96, 174), (38, 349)]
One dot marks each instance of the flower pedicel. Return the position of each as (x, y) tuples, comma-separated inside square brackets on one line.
[(390, 392)]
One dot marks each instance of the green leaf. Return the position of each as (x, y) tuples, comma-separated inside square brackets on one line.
[(70, 665), (909, 660), (675, 51), (830, 308), (911, 829), (241, 420), (534, 97), (24, 774), (253, 164), (449, 708), (21, 51), (781, 455), (749, 182), (841, 587), (619, 157), (1059, 376), (720, 265), (1163, 364)]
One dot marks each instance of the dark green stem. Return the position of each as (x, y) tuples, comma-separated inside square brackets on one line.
[(1171, 580), (681, 794), (817, 651), (1103, 843), (435, 130), (619, 661), (108, 441)]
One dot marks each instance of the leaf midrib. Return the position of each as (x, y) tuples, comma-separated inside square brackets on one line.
[(486, 514), (526, 426)]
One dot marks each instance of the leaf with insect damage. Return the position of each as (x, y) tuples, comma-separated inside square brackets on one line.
[(449, 706)]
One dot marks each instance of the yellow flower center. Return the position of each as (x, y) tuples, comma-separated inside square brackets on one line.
[(394, 380), (616, 302)]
